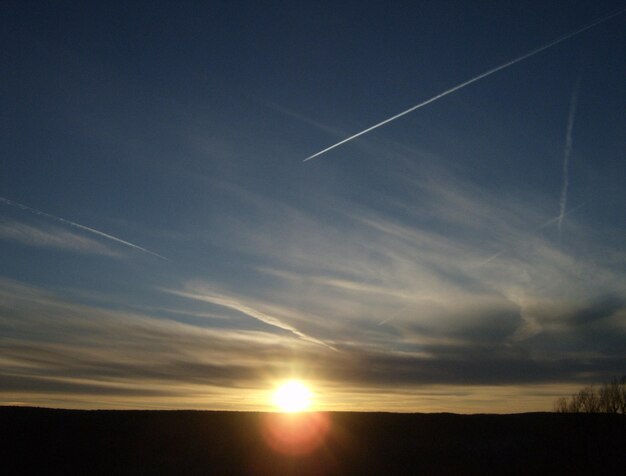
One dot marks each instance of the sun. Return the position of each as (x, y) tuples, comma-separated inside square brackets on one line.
[(292, 396)]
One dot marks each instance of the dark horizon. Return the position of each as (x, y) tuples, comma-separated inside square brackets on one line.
[(190, 442)]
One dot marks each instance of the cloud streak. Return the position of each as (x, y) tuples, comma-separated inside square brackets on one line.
[(55, 348), (52, 238), (471, 81), (80, 227), (567, 152), (464, 267), (52, 347), (236, 305)]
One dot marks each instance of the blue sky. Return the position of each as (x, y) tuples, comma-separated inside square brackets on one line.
[(460, 258)]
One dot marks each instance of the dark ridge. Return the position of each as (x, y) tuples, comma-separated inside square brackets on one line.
[(107, 442)]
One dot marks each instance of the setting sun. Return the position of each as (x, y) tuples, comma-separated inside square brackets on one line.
[(292, 396)]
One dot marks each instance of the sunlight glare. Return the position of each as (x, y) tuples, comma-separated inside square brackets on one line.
[(292, 396)]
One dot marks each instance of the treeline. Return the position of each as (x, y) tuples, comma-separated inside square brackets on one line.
[(609, 398)]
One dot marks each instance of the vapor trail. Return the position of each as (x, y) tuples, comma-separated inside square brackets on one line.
[(473, 80), (567, 152), (556, 218), (79, 226)]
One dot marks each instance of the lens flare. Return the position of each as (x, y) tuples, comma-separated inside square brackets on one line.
[(295, 434)]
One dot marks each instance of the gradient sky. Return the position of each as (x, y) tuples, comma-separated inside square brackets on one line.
[(462, 258)]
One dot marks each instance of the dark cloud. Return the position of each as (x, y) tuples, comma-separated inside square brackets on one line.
[(486, 324), (43, 385), (599, 308), (470, 367)]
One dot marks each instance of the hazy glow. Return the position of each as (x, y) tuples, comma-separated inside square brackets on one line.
[(292, 396)]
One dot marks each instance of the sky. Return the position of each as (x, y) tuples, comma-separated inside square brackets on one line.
[(164, 243)]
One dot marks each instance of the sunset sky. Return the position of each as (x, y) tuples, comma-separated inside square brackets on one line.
[(163, 244)]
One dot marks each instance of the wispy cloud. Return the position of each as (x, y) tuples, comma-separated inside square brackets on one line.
[(307, 120), (567, 152), (79, 226), (52, 237), (471, 81), (462, 269), (53, 347), (207, 295), (378, 300)]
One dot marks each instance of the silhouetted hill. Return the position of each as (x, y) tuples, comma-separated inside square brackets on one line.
[(46, 441)]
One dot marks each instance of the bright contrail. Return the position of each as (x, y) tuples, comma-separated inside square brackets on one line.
[(78, 225), (567, 152), (473, 80)]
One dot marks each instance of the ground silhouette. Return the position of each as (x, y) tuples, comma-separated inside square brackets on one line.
[(48, 441)]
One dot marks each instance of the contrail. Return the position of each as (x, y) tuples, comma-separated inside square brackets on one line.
[(556, 219), (567, 152), (491, 258), (78, 225), (473, 80)]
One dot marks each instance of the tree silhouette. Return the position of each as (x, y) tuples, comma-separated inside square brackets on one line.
[(609, 398)]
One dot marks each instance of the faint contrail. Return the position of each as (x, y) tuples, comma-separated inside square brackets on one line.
[(473, 80), (78, 225), (556, 219), (491, 258), (567, 152), (548, 223)]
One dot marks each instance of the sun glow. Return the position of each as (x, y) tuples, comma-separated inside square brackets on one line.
[(292, 396)]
